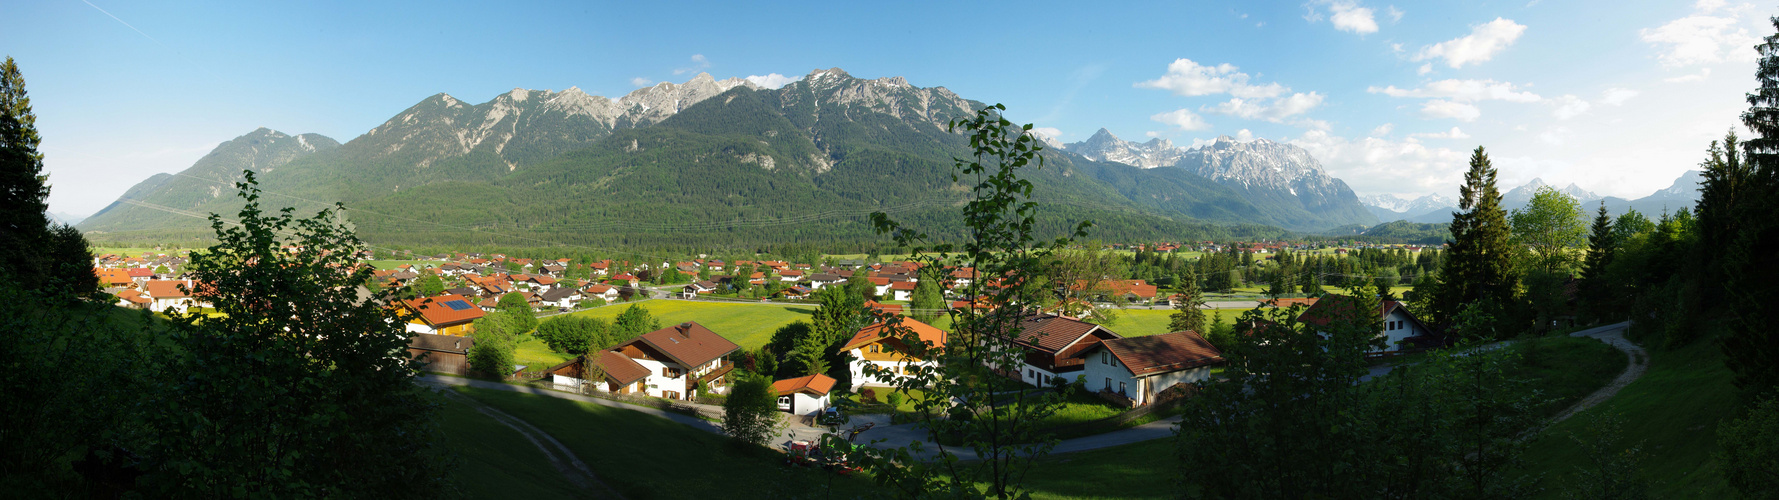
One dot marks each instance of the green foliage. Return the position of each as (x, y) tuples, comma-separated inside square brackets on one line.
[(1551, 225), (514, 305), (632, 323), (928, 300), (1751, 271), (296, 358), (492, 356), (1595, 296), (1750, 453), (750, 414), (575, 334), (1189, 311), (1614, 468), (1478, 265), (963, 397), (38, 255), (429, 285)]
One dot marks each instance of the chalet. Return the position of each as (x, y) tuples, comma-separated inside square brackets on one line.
[(560, 297), (693, 290), (818, 281), (806, 395), (441, 315), (140, 274), (132, 299), (796, 292), (790, 276), (442, 353), (668, 363), (1133, 291), (880, 286), (1140, 368), (1401, 328), (114, 277), (1053, 346), (902, 290), (604, 292), (170, 295), (878, 345)]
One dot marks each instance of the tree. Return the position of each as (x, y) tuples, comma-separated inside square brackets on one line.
[(1750, 450), (573, 334), (1478, 265), (964, 394), (928, 300), (860, 284), (1751, 347), (750, 413), (1189, 313), (632, 323), (300, 387), (492, 356), (429, 285), (519, 310), (41, 257), (1593, 289), (1551, 225)]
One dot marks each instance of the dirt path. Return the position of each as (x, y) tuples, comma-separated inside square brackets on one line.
[(1638, 362), (563, 460)]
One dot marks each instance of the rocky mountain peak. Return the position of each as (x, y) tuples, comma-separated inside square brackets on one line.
[(1103, 146)]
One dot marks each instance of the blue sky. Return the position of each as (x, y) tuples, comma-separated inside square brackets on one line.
[(1619, 97)]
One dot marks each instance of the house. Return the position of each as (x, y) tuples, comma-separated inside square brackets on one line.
[(442, 353), (880, 286), (1140, 368), (700, 287), (1053, 346), (604, 292), (790, 275), (819, 280), (442, 315), (668, 363), (1401, 328), (114, 277), (560, 297), (806, 395), (175, 295), (871, 347), (796, 292), (902, 290), (132, 299)]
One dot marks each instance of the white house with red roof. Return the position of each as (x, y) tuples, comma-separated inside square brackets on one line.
[(668, 363), (804, 395), (879, 346), (1140, 368)]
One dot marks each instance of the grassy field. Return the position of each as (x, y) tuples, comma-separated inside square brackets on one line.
[(640, 455), (535, 355), (1672, 412), (750, 325), (1145, 322), (495, 461)]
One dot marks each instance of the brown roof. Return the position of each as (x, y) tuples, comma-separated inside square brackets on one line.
[(441, 343), (873, 333), (903, 285), (620, 368), (167, 289), (689, 344), (1053, 332), (439, 311), (1332, 306), (1164, 353), (817, 384)]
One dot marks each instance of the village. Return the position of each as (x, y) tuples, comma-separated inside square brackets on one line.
[(688, 365)]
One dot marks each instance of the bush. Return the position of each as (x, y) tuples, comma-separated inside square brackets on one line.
[(492, 356), (1750, 455), (895, 399)]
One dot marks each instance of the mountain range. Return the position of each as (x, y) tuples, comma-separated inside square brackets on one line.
[(1433, 208), (719, 163)]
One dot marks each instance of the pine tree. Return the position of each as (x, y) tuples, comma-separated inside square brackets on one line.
[(1188, 308), (1601, 245), (1751, 271), (37, 255), (1478, 266)]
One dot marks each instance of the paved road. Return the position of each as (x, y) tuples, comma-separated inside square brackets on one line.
[(694, 422), (1637, 363)]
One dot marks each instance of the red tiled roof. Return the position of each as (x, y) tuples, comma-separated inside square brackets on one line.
[(1333, 306), (689, 344), (1164, 353), (113, 276), (873, 333), (817, 384), (903, 285), (167, 289), (435, 312), (140, 272), (1051, 332), (620, 368)]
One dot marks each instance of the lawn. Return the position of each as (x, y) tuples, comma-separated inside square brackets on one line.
[(1673, 411), (1145, 322), (750, 325), (495, 461), (535, 355), (643, 456)]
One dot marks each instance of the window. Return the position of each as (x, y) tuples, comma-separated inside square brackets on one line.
[(670, 394), (1121, 388), (876, 348), (670, 372), (1108, 383), (1114, 361), (1103, 357), (784, 400)]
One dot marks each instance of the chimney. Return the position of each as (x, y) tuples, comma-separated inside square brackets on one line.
[(685, 330)]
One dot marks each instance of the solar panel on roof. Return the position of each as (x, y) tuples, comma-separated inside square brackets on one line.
[(457, 305)]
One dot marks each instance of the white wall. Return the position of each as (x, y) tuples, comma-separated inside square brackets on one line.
[(1406, 330), (803, 403), (856, 364), (1101, 365), (657, 384)]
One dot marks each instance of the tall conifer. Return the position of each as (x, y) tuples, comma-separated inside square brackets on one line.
[(1752, 261), (1478, 265)]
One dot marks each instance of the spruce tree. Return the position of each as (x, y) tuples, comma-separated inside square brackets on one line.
[(39, 256), (1478, 268), (1188, 313), (1601, 245), (1751, 270)]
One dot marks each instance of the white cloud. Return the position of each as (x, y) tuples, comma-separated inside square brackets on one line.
[(1554, 136), (1244, 135), (1569, 106), (1373, 165), (698, 63), (772, 80), (1051, 132), (1349, 16), (1424, 69), (1708, 6), (1440, 108), (1617, 96), (1462, 90), (1700, 39), (1484, 41), (1275, 111), (1188, 78), (1183, 119), (1382, 130), (1454, 133), (1394, 13), (1152, 134), (641, 82), (1700, 76)]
